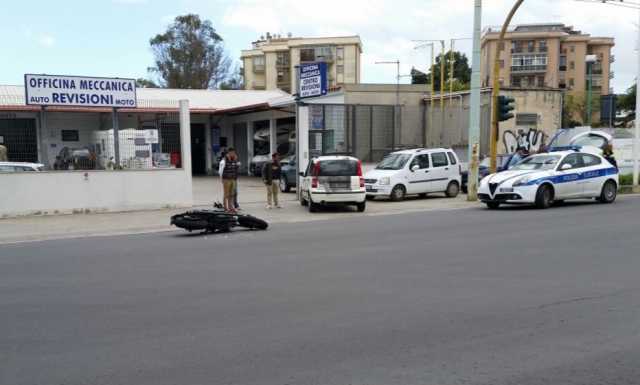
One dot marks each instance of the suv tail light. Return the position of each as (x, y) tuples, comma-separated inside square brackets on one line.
[(360, 168), (314, 182), (361, 182)]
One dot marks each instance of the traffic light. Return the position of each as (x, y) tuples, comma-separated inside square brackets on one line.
[(505, 107)]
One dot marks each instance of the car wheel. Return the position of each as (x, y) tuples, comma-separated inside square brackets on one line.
[(493, 205), (544, 197), (313, 207), (303, 201), (284, 185), (609, 192), (398, 193), (452, 190), (361, 206)]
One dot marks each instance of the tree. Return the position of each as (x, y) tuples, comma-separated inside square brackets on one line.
[(574, 109), (234, 81), (627, 102), (190, 54), (461, 72), (145, 83)]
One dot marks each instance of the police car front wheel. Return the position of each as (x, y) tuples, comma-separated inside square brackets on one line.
[(544, 197)]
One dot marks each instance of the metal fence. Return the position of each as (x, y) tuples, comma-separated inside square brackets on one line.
[(369, 132)]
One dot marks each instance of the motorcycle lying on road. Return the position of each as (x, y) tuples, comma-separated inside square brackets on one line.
[(216, 220)]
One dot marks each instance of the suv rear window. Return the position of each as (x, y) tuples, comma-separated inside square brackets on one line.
[(439, 159), (340, 167)]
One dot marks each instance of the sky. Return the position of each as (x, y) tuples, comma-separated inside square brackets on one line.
[(111, 37)]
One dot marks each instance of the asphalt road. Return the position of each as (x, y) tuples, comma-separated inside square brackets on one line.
[(468, 296)]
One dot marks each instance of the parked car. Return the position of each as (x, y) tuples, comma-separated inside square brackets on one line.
[(417, 171), (288, 174), (543, 179), (333, 180), (75, 159), (20, 167), (503, 161)]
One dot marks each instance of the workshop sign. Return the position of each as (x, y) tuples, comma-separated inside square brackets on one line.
[(79, 91), (313, 80)]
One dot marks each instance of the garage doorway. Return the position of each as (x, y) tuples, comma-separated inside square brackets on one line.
[(20, 138), (198, 149)]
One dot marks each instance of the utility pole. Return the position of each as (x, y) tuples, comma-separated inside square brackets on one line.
[(493, 145), (431, 86), (636, 135), (442, 56), (474, 110), (589, 60)]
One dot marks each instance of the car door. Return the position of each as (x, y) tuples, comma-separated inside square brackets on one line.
[(418, 180), (568, 182), (593, 175), (439, 176)]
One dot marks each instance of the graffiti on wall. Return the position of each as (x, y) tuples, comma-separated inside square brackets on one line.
[(530, 139)]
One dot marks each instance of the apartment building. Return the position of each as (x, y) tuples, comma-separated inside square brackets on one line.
[(270, 63), (548, 56)]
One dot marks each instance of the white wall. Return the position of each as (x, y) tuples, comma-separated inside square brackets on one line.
[(100, 191)]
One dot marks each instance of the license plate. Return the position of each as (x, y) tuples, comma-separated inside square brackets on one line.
[(506, 189), (370, 189)]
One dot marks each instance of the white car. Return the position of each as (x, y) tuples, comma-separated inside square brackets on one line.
[(418, 171), (20, 167), (543, 179), (333, 180)]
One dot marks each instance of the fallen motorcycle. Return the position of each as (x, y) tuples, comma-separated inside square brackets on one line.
[(216, 220)]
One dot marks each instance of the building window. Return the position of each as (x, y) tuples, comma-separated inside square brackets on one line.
[(529, 63), (307, 54), (340, 53), (531, 45), (572, 65), (563, 63), (516, 81), (501, 46), (540, 81), (571, 83), (542, 46), (572, 48), (282, 59), (258, 64), (340, 69)]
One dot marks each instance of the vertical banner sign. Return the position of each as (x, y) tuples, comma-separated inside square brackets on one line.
[(313, 80), (79, 91)]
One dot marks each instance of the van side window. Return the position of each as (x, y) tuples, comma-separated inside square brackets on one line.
[(452, 158), (439, 159)]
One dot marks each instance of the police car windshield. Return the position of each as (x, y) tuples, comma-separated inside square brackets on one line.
[(393, 162), (537, 162)]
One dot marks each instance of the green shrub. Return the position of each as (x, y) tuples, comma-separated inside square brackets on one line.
[(626, 180)]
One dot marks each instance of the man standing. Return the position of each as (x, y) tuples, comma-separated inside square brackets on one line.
[(3, 154), (270, 176), (228, 171)]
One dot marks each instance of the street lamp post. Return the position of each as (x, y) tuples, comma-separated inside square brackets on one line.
[(431, 88), (474, 106)]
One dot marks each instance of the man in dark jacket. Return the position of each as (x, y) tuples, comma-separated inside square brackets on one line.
[(270, 176)]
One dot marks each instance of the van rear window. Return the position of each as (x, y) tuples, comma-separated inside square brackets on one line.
[(341, 167)]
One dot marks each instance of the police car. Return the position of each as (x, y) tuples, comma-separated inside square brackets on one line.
[(542, 179)]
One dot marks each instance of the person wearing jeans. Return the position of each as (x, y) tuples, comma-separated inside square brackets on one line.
[(270, 176)]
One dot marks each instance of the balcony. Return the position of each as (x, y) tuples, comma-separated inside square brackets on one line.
[(529, 68), (258, 68), (611, 75), (612, 59)]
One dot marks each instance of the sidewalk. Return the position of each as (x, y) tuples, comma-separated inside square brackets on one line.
[(206, 190)]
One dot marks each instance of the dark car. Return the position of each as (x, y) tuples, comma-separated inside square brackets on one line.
[(288, 174), (503, 162)]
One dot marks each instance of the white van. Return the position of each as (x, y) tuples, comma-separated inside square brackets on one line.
[(418, 171)]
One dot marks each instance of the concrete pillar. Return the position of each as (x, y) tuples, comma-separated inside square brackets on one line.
[(185, 141), (273, 136), (250, 132), (302, 138), (208, 147), (43, 150)]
